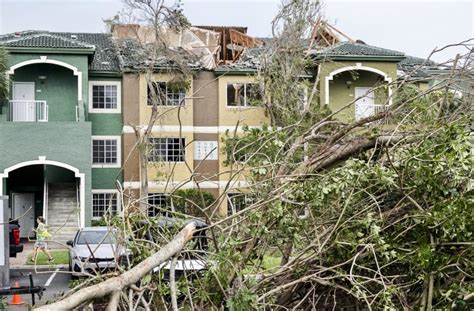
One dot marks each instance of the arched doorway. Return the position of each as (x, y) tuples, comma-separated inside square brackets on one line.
[(368, 88), (46, 188)]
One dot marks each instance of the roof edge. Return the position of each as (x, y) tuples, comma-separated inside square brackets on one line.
[(88, 51)]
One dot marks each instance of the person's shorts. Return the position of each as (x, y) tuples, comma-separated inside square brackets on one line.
[(41, 244)]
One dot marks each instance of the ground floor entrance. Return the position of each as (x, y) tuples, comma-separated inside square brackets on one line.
[(23, 210), (45, 190)]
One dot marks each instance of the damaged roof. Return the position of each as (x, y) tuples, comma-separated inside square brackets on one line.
[(135, 57), (356, 50), (100, 45)]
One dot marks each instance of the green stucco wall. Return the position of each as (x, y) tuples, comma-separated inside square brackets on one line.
[(59, 89), (56, 174), (60, 139), (106, 124), (65, 142)]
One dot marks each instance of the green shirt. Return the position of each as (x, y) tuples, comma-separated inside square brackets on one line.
[(42, 232)]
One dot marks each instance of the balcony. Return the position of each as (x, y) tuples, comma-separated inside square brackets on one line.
[(364, 110), (28, 111)]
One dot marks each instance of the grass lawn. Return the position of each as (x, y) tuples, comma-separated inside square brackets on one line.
[(61, 257), (269, 263)]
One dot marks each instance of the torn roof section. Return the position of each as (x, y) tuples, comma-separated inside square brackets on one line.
[(138, 48), (203, 46)]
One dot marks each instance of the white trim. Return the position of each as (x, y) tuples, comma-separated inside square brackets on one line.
[(127, 129), (188, 184), (166, 97), (43, 161), (357, 67), (45, 60), (96, 191), (118, 138), (118, 84), (245, 106)]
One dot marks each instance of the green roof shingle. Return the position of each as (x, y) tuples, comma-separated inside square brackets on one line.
[(44, 40), (355, 49), (104, 58)]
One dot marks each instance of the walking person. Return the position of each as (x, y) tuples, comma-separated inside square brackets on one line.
[(42, 235)]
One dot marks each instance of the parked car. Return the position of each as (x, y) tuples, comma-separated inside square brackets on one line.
[(190, 263), (15, 243), (94, 249)]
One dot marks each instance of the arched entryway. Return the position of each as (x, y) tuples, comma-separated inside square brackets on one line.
[(369, 87), (45, 90), (46, 188)]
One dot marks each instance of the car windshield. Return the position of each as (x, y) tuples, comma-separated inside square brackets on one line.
[(95, 237)]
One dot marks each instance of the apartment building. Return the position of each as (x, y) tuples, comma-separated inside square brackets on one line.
[(68, 132), (60, 129)]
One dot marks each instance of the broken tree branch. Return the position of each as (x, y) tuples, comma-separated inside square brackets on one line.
[(119, 283)]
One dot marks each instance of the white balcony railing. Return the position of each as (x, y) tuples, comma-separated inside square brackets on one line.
[(364, 110), (28, 111)]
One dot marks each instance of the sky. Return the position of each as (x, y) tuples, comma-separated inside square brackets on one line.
[(414, 27)]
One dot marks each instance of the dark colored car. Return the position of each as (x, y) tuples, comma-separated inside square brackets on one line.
[(15, 243)]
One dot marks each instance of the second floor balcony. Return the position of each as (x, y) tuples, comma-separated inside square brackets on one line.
[(28, 111)]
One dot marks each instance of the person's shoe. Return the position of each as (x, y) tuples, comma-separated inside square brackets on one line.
[(32, 260), (50, 259)]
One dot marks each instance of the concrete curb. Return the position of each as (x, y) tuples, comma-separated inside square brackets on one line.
[(37, 267)]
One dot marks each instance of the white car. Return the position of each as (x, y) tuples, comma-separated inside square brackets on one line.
[(94, 249), (191, 264)]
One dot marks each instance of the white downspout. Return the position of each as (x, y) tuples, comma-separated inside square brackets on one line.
[(45, 193)]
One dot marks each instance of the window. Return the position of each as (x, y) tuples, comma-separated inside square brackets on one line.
[(170, 94), (158, 203), (96, 237), (104, 203), (166, 149), (238, 201), (104, 97), (243, 94), (105, 151)]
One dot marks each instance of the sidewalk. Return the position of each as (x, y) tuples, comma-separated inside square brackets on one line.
[(19, 262)]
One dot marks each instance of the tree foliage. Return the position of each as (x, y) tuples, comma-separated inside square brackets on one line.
[(374, 213)]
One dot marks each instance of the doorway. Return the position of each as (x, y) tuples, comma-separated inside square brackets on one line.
[(365, 100), (24, 212), (23, 104)]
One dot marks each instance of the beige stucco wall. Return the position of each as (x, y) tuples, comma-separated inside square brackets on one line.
[(169, 114), (173, 171), (231, 116)]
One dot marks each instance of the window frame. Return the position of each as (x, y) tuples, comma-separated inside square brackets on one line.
[(162, 196), (152, 159), (181, 102), (118, 109), (105, 191), (118, 164), (246, 105), (244, 195)]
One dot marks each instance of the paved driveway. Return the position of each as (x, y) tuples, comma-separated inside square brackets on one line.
[(55, 280)]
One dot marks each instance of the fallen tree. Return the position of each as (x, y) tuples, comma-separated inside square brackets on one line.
[(114, 286), (359, 214)]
